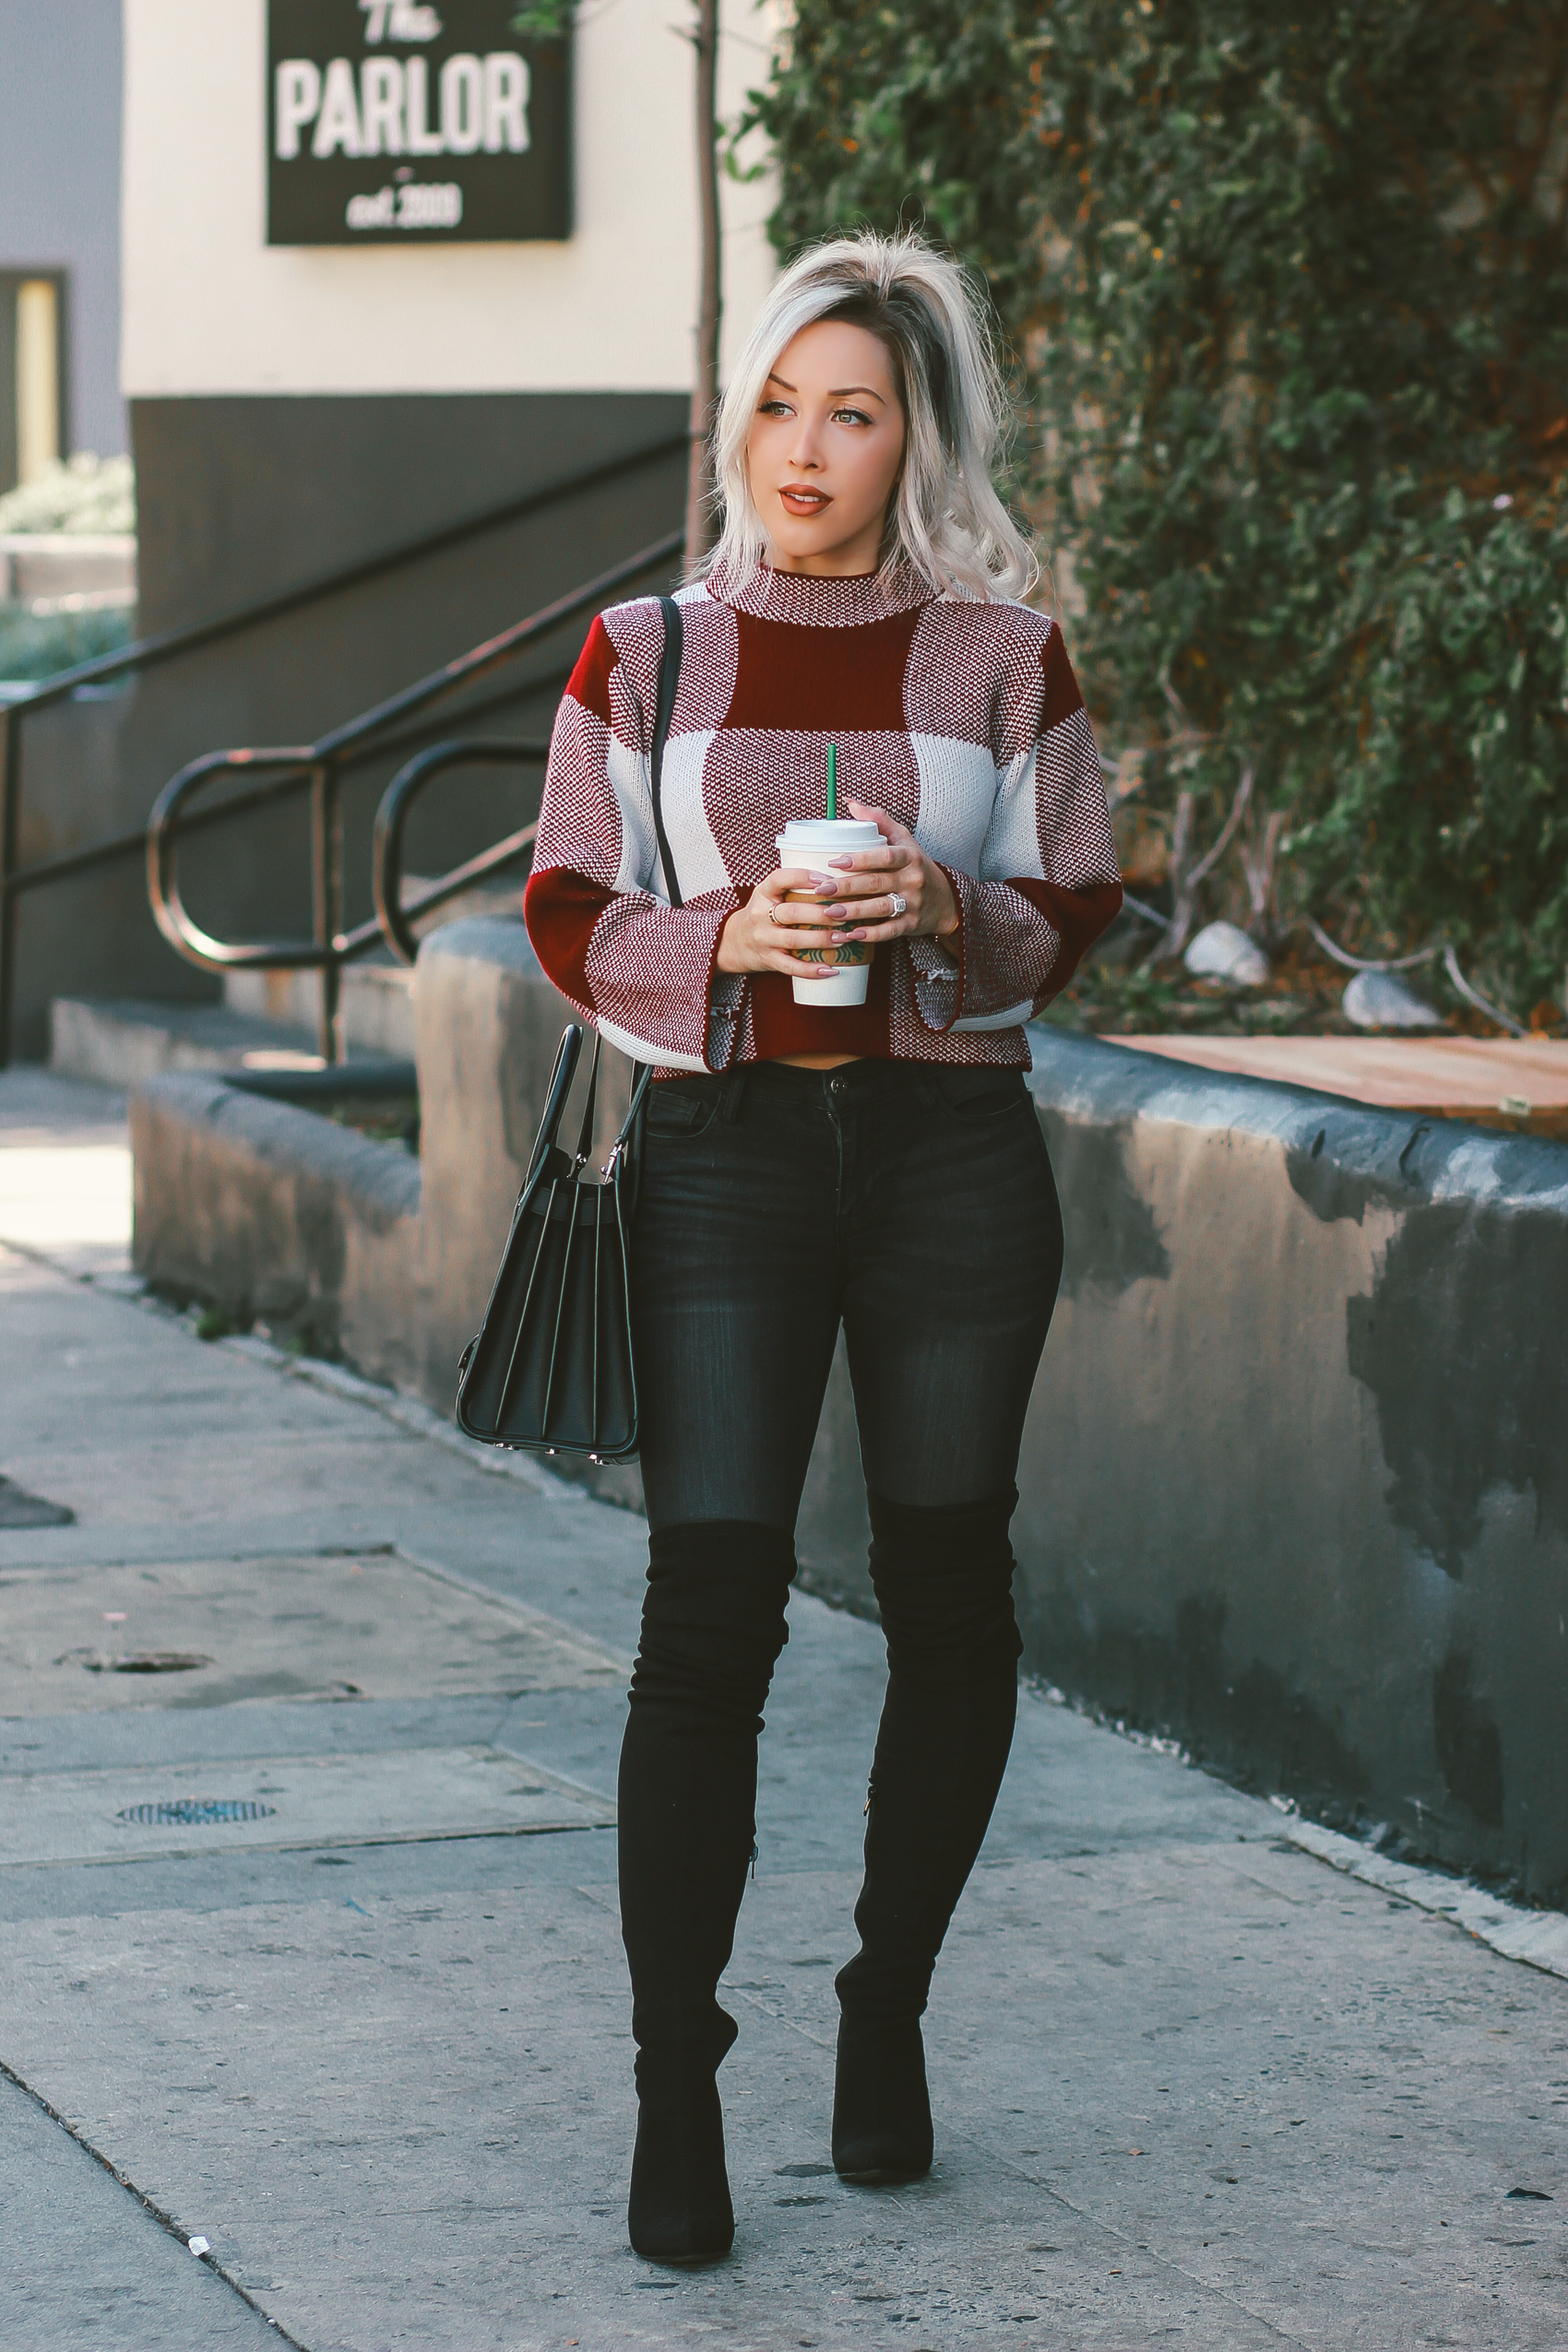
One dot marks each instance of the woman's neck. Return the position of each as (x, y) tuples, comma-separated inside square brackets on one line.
[(857, 559)]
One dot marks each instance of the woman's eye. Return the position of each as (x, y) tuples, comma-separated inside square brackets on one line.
[(773, 409), (851, 416)]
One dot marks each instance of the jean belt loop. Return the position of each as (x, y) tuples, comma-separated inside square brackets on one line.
[(734, 1088)]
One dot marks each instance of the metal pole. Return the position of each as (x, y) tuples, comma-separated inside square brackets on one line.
[(327, 878), (705, 387), (10, 835)]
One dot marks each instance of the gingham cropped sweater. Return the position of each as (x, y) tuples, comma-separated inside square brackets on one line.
[(963, 721)]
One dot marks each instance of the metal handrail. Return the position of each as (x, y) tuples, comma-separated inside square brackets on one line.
[(395, 919), (147, 653), (115, 846), (318, 765)]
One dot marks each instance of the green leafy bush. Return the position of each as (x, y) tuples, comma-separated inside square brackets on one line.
[(1285, 294), (37, 645)]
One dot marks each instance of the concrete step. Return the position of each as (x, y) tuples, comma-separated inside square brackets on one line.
[(376, 1001), (123, 1041)]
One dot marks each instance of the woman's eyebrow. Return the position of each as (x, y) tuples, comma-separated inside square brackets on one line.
[(842, 391)]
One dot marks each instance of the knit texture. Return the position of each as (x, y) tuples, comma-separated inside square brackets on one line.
[(962, 720)]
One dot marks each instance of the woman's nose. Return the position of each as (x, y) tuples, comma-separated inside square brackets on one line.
[(806, 451)]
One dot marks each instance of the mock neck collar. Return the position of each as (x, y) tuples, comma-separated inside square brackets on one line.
[(807, 601)]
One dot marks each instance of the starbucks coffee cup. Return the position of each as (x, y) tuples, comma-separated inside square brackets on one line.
[(811, 845)]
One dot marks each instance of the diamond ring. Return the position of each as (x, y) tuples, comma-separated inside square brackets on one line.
[(898, 902)]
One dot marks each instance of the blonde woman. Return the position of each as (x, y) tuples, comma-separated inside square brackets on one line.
[(805, 1166)]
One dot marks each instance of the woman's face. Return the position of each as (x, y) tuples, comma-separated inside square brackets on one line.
[(825, 448)]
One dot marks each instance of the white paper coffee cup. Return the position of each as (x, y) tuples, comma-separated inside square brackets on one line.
[(811, 843)]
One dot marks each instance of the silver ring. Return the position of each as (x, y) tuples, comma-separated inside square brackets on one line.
[(898, 903), (772, 912)]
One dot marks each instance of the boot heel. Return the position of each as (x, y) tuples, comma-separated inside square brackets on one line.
[(678, 2211), (881, 2106)]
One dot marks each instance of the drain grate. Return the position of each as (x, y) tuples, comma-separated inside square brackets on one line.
[(197, 1812)]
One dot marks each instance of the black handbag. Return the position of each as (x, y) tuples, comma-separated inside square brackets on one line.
[(551, 1369)]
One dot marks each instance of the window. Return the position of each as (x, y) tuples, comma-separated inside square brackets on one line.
[(31, 377)]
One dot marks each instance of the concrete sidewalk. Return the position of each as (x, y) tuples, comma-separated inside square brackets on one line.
[(370, 2039)]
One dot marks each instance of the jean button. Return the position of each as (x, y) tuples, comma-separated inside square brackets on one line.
[(836, 1085)]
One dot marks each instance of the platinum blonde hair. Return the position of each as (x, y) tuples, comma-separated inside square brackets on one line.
[(944, 516)]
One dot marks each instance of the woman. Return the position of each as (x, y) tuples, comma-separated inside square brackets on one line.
[(878, 1165)]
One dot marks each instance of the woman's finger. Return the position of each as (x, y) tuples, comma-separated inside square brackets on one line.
[(786, 913), (795, 938), (883, 910), (875, 934), (876, 881), (866, 860), (889, 826), (779, 883), (795, 968), (877, 906)]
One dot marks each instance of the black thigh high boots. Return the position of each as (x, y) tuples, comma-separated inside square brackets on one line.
[(943, 1582), (713, 1626)]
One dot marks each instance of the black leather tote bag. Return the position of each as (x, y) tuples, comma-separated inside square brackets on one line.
[(551, 1369)]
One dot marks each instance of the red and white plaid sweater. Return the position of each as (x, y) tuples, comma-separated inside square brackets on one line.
[(963, 721)]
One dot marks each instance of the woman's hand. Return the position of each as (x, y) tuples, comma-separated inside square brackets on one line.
[(853, 898), (867, 884), (768, 935)]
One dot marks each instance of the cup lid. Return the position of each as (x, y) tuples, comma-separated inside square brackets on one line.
[(836, 833)]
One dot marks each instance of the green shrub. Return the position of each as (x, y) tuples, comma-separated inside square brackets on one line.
[(38, 644), (1285, 302)]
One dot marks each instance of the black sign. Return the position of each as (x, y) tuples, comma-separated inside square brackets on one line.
[(404, 121)]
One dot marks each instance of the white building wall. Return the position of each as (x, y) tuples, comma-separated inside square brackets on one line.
[(60, 187), (210, 308)]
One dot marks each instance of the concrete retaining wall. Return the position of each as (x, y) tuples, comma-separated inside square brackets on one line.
[(1295, 1477), (275, 1213), (1296, 1471)]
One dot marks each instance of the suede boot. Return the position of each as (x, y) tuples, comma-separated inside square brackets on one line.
[(944, 1579), (713, 1626)]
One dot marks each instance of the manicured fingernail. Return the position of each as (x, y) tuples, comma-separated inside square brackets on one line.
[(825, 882), (840, 862)]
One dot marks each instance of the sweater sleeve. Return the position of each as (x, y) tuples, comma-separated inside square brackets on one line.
[(597, 907), (1049, 881)]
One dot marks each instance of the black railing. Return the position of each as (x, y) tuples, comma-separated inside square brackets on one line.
[(147, 653), (395, 920), (318, 767)]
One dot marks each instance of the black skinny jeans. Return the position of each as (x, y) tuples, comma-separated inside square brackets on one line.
[(911, 1200), (915, 1206)]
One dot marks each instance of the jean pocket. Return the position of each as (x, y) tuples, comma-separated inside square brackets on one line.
[(678, 1108), (975, 1098)]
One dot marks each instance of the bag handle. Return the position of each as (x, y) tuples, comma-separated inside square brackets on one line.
[(547, 1140), (590, 1104), (669, 681)]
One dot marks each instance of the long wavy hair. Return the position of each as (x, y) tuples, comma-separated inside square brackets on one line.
[(944, 516)]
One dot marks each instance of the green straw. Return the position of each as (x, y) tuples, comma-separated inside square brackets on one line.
[(832, 783)]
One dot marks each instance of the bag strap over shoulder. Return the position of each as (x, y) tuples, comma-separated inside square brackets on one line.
[(664, 712), (669, 681)]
